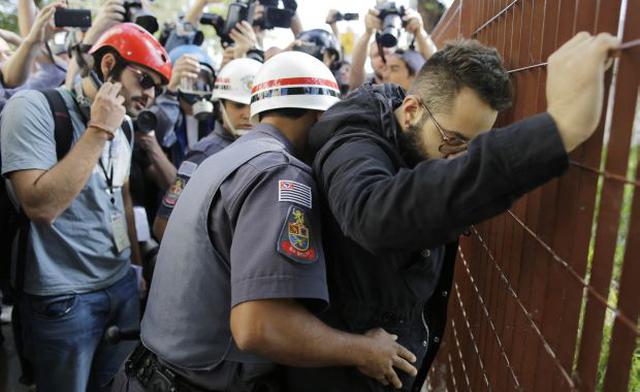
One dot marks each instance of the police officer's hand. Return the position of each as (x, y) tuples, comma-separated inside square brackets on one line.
[(386, 354), (186, 67), (575, 85), (372, 22), (107, 110)]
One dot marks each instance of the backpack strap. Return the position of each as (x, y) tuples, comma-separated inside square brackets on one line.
[(63, 134), (63, 131)]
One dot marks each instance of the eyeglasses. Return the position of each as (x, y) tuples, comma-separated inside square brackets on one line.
[(146, 81), (449, 138)]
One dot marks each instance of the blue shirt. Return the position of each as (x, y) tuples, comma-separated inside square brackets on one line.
[(77, 253)]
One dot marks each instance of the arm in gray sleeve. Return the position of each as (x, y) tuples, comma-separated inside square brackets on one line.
[(276, 250)]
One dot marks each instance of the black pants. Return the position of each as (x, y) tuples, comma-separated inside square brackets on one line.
[(412, 334)]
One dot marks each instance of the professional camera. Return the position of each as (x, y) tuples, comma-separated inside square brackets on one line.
[(180, 33), (134, 12), (244, 10), (392, 23), (146, 121), (348, 16), (274, 16)]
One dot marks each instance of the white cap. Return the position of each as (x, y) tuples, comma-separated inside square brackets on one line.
[(235, 80), (293, 80)]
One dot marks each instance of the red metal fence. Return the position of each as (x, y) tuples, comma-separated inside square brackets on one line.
[(547, 295)]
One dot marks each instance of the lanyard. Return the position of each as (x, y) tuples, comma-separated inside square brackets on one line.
[(109, 177)]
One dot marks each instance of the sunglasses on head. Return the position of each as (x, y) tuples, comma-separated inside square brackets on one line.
[(146, 81), (449, 138)]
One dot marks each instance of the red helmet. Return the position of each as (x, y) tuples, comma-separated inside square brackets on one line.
[(136, 45)]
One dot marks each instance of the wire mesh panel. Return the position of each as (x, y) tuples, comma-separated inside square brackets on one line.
[(547, 295)]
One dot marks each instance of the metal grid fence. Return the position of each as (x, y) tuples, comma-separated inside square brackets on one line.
[(547, 295)]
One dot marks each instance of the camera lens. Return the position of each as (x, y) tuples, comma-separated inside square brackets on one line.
[(391, 27)]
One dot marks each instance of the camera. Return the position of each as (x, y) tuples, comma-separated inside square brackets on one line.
[(244, 10), (275, 16), (68, 17), (181, 33), (134, 12), (348, 16), (145, 122), (392, 23)]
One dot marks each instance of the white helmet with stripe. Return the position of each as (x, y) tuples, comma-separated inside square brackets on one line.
[(293, 80), (235, 80)]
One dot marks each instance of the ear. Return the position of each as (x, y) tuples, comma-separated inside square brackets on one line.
[(107, 64), (411, 109)]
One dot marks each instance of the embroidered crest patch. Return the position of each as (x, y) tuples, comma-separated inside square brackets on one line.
[(170, 199), (295, 240)]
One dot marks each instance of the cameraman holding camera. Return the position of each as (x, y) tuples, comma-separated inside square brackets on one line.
[(376, 22)]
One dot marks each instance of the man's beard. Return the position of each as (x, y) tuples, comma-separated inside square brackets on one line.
[(414, 148)]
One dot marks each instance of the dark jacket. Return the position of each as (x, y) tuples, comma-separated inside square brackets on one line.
[(391, 219)]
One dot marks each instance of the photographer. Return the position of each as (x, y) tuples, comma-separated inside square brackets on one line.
[(403, 66), (184, 112), (77, 278), (413, 24)]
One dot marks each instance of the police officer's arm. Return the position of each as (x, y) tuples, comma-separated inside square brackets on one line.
[(433, 203), (277, 264), (286, 332), (45, 194)]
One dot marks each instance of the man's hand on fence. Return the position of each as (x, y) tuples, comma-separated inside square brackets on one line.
[(575, 85)]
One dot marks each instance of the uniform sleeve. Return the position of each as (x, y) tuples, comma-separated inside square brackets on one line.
[(276, 250), (433, 203), (27, 133), (185, 171)]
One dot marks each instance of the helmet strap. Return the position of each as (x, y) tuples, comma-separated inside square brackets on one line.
[(225, 117)]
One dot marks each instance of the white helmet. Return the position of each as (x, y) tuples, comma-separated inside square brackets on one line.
[(235, 80), (293, 80)]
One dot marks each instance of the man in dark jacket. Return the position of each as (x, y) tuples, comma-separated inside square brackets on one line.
[(404, 175)]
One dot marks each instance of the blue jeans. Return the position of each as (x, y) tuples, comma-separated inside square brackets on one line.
[(63, 335)]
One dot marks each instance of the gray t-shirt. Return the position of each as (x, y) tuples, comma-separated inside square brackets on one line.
[(77, 253)]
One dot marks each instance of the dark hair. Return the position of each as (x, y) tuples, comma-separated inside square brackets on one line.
[(463, 63), (117, 69), (291, 113)]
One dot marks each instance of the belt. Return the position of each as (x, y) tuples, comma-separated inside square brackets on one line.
[(143, 365)]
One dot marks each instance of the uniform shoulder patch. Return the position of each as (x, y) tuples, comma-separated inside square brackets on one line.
[(295, 192), (171, 197), (295, 241)]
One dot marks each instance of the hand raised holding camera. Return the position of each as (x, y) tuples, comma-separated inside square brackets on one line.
[(244, 38), (372, 21), (186, 67), (111, 13), (42, 29)]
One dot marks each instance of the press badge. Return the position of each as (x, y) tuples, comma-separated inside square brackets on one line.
[(120, 235)]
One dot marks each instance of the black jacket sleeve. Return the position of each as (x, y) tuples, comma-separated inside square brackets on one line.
[(383, 209)]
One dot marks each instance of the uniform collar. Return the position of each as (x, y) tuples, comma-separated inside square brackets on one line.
[(275, 133)]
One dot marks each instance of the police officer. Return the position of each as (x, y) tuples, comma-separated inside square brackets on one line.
[(233, 91), (404, 175), (242, 264)]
